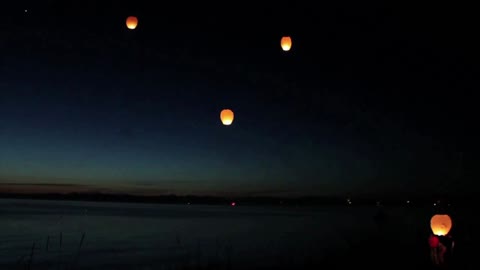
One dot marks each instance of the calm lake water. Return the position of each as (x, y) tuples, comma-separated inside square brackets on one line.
[(148, 236)]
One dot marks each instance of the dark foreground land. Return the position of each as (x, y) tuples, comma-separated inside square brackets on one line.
[(398, 239)]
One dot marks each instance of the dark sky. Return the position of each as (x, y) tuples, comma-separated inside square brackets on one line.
[(371, 99)]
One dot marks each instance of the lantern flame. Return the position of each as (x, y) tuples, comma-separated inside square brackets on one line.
[(441, 224), (132, 22), (227, 117), (286, 43)]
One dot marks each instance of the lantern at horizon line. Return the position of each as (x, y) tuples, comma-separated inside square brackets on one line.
[(441, 224), (131, 22)]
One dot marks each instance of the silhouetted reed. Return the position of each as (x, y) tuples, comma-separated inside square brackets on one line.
[(48, 242), (78, 250), (26, 262), (30, 260), (60, 252)]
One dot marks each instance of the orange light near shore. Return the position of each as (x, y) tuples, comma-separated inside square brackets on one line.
[(441, 224), (132, 22)]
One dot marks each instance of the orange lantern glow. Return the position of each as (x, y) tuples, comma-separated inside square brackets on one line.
[(286, 43), (441, 224), (132, 22), (227, 117)]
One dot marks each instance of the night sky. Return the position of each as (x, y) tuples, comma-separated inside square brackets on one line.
[(370, 100)]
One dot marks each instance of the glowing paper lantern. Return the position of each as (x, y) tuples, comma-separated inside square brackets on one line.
[(132, 22), (227, 117), (286, 43), (441, 224)]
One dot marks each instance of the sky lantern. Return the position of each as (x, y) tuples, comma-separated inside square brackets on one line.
[(227, 117), (441, 224), (132, 22), (286, 43)]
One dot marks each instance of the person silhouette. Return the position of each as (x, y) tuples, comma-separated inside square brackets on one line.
[(448, 243), (437, 250)]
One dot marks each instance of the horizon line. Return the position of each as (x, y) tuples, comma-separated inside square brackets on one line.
[(400, 196)]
